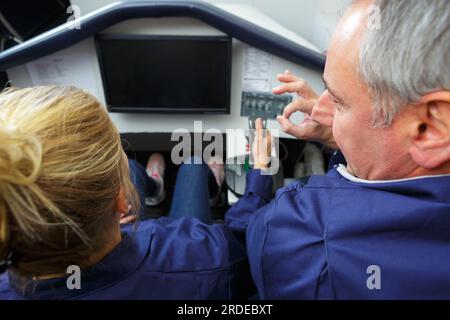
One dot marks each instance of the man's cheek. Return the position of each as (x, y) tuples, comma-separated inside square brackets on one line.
[(337, 135)]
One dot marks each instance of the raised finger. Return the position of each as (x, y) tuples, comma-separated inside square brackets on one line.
[(300, 104)]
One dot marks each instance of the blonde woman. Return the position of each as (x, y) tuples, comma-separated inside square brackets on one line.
[(64, 187)]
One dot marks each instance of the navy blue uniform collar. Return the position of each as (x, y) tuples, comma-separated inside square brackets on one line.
[(124, 260), (431, 187)]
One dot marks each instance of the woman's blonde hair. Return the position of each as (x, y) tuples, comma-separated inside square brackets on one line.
[(61, 168)]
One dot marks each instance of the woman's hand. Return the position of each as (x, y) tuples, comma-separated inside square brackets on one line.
[(316, 125), (262, 146), (126, 217)]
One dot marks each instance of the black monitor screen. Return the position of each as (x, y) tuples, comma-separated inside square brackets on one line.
[(166, 74)]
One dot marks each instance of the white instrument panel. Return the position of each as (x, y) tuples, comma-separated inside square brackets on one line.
[(78, 65)]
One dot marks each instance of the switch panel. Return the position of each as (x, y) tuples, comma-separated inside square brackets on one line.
[(263, 105)]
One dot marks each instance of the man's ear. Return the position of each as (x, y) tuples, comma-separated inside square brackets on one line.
[(431, 137), (121, 204)]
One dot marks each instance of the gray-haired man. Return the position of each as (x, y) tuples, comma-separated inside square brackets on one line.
[(379, 225)]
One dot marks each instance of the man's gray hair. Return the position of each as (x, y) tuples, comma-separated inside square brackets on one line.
[(407, 55)]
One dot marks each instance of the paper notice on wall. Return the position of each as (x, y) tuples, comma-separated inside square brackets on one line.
[(62, 70), (257, 70), (50, 70)]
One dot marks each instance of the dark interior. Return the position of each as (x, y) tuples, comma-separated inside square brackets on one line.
[(140, 146)]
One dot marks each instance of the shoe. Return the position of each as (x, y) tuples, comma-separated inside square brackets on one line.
[(155, 170), (217, 167)]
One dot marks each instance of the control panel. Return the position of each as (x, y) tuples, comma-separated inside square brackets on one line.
[(263, 105)]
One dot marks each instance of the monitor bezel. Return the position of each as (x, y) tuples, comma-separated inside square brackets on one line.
[(164, 110)]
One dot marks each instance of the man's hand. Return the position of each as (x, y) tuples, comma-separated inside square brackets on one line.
[(316, 125), (262, 146)]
